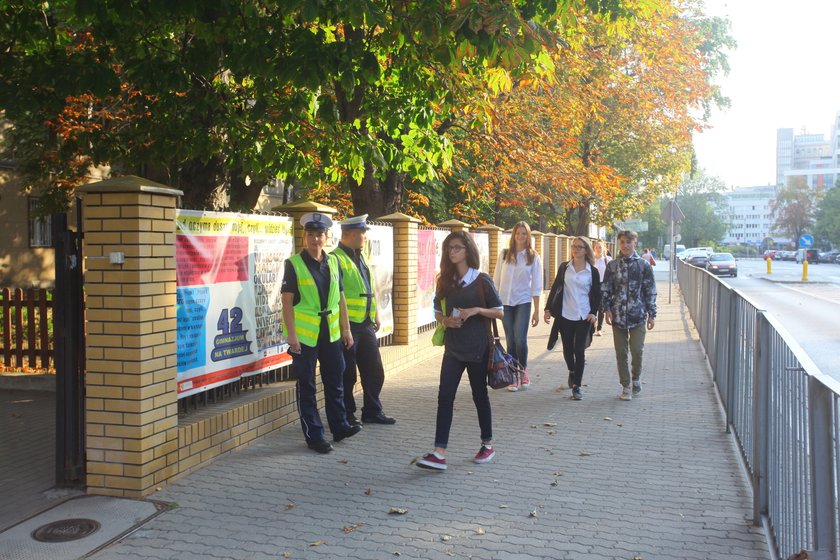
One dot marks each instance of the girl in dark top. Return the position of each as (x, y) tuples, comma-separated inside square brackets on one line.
[(465, 341), (573, 301)]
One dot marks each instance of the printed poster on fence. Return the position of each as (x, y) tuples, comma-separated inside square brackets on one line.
[(229, 270), (379, 256)]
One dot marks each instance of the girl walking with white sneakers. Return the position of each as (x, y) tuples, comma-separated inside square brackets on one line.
[(519, 278), (573, 301), (470, 300)]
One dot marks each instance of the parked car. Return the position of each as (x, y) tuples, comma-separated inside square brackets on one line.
[(722, 263), (786, 255), (698, 259), (829, 256), (812, 255)]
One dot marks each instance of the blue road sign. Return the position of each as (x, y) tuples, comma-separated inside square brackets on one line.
[(806, 240)]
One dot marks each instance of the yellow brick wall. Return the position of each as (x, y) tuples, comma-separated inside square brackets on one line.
[(131, 409)]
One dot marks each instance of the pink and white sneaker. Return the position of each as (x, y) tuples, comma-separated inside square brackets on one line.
[(526, 381), (485, 454), (432, 461)]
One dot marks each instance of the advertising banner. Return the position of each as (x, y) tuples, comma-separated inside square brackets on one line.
[(429, 249), (229, 270), (379, 256)]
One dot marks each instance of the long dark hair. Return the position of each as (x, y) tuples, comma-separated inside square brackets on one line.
[(447, 280)]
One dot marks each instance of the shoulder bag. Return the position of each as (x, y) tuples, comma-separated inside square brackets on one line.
[(440, 329), (502, 368)]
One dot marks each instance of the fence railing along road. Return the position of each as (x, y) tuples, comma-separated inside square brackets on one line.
[(784, 412)]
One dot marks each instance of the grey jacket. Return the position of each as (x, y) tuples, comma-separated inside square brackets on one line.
[(628, 291)]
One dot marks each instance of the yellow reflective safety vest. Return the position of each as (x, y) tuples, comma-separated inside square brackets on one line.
[(354, 286), (308, 309)]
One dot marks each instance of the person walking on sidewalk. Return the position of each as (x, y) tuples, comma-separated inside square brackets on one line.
[(629, 298), (361, 310), (519, 279), (574, 299), (316, 324), (601, 260), (470, 301)]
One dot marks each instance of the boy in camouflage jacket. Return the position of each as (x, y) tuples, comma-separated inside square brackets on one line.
[(628, 295)]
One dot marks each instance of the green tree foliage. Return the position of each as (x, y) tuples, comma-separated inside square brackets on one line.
[(702, 203), (827, 228), (794, 208), (218, 98)]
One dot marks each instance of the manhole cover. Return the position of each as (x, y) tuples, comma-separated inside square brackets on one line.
[(65, 530)]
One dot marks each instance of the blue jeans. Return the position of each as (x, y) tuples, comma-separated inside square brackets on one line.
[(451, 371), (516, 321)]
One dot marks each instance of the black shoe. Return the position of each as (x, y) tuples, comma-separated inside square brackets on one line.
[(379, 419), (352, 420), (576, 394), (349, 432), (320, 446)]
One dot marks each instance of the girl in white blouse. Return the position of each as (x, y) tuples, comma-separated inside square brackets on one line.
[(519, 279)]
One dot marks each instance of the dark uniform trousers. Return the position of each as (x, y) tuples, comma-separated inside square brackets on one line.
[(331, 358), (365, 354)]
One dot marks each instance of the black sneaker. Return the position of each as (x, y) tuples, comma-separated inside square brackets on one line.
[(320, 446), (352, 420), (349, 432), (577, 394)]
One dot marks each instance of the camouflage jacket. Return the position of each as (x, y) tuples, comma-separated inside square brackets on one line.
[(628, 291)]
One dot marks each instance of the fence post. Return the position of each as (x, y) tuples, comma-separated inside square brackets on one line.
[(494, 233), (131, 378), (823, 489), (68, 329), (405, 277), (761, 397)]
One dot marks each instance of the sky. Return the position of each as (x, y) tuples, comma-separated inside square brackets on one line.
[(784, 74)]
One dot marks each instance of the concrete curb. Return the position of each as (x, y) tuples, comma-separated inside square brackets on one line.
[(27, 382)]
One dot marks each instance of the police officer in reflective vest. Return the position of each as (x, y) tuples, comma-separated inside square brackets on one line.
[(361, 308), (316, 326)]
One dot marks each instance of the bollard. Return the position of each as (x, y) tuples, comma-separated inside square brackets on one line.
[(805, 270), (769, 265)]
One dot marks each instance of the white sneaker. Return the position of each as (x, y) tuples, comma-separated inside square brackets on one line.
[(626, 394), (513, 388), (637, 386)]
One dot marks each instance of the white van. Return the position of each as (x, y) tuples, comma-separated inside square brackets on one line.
[(666, 251)]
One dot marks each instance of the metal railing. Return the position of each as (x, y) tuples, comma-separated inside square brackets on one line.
[(784, 412)]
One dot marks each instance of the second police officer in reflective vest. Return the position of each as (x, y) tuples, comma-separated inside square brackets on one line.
[(316, 325), (361, 309)]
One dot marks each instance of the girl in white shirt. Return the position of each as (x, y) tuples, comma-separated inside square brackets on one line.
[(573, 301), (519, 279)]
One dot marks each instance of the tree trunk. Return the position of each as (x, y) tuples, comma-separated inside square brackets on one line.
[(377, 197), (204, 185), (577, 220)]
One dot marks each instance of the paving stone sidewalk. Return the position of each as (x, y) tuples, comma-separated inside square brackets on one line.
[(654, 478)]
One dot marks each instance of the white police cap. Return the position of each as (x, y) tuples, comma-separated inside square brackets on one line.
[(315, 221), (356, 222)]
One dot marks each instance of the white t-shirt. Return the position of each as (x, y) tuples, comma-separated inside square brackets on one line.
[(576, 293), (520, 282)]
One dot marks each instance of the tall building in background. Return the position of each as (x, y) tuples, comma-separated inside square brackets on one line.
[(810, 157), (748, 217), (784, 153)]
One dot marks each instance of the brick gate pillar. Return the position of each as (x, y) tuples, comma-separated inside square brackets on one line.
[(404, 292), (495, 234), (131, 394)]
